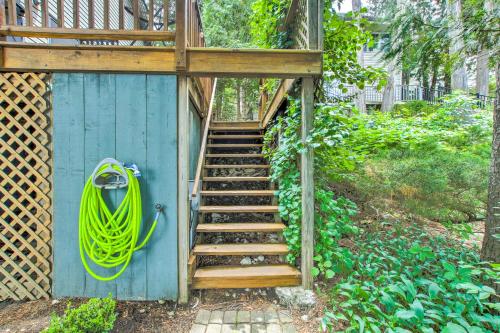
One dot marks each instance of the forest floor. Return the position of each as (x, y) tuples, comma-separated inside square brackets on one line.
[(34, 316)]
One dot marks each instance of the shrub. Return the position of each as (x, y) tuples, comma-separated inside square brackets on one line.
[(96, 316)]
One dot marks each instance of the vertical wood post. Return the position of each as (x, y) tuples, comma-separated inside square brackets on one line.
[(307, 180), (183, 186), (181, 20), (3, 19)]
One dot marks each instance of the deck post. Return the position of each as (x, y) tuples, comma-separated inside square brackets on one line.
[(181, 30), (183, 186), (307, 181)]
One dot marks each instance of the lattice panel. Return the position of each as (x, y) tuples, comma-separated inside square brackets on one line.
[(25, 186), (299, 26)]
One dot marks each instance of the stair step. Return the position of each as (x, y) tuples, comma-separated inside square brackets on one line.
[(238, 209), (237, 166), (236, 136), (240, 227), (234, 155), (253, 249), (235, 129), (235, 179), (247, 123), (252, 276), (249, 193), (234, 145)]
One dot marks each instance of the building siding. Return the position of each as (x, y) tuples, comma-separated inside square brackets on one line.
[(133, 118)]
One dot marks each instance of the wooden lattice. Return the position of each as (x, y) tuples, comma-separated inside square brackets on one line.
[(25, 186), (299, 31)]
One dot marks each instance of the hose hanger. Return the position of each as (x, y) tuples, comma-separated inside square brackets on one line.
[(109, 239)]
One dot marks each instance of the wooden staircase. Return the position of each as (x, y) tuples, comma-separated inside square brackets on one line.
[(238, 215)]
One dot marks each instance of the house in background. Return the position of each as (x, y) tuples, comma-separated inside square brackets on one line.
[(410, 90)]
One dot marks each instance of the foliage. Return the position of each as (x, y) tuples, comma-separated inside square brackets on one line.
[(404, 280), (266, 19), (96, 316), (226, 23), (333, 213), (344, 37), (432, 160), (421, 40)]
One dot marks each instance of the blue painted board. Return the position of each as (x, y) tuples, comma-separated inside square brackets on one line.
[(132, 117)]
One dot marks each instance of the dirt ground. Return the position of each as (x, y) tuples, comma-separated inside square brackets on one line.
[(139, 317)]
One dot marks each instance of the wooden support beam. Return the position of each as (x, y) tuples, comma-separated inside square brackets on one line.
[(87, 34), (183, 186), (39, 57), (253, 62), (307, 180), (201, 62)]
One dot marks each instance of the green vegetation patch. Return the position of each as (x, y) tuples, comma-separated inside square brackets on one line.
[(404, 281), (98, 315)]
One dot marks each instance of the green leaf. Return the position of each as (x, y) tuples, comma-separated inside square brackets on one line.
[(405, 314), (453, 328)]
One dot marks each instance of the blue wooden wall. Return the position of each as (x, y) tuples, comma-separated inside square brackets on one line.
[(133, 118), (194, 139)]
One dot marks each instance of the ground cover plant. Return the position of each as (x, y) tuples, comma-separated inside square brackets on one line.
[(98, 315), (403, 280)]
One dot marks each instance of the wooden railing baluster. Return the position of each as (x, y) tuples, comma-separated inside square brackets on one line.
[(60, 13), (91, 14), (121, 15), (76, 14), (12, 12), (165, 14), (45, 13), (106, 14), (28, 12), (151, 15), (3, 18), (137, 22)]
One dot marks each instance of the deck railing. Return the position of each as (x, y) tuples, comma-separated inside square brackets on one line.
[(137, 20), (402, 93), (201, 156)]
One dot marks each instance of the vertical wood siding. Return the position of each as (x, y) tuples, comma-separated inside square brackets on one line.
[(133, 118)]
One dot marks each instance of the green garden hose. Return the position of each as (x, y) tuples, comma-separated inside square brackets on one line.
[(110, 239)]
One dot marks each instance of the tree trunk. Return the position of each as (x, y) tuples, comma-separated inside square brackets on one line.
[(219, 99), (482, 62), (360, 93), (491, 244), (238, 100), (455, 31)]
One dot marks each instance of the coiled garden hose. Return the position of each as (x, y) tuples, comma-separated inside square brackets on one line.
[(110, 239)]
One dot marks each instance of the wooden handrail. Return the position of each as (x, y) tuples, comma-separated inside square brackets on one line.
[(201, 158)]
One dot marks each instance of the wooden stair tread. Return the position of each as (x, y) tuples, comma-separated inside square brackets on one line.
[(235, 129), (234, 145), (236, 136), (251, 276), (234, 155), (253, 193), (240, 249), (235, 179), (240, 227), (238, 209), (237, 166)]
